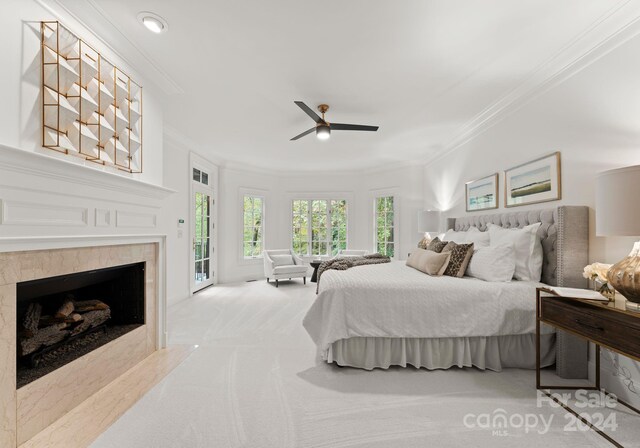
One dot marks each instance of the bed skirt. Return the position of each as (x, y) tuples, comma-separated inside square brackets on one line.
[(492, 352)]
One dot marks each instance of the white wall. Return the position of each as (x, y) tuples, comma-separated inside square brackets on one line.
[(593, 118), (278, 191), (357, 188), (176, 177)]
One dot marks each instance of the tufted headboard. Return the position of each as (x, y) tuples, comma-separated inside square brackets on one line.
[(565, 243), (564, 234)]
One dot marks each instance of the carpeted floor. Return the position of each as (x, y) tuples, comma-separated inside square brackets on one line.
[(254, 381)]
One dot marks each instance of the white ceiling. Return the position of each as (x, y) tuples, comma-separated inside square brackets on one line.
[(423, 70)]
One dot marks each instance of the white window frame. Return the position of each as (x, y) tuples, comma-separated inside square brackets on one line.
[(318, 197), (262, 201), (383, 193), (256, 193)]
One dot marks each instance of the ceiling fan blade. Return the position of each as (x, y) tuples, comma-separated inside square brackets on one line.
[(307, 110), (309, 131), (351, 127)]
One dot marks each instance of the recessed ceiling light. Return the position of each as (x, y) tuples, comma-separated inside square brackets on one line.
[(153, 22)]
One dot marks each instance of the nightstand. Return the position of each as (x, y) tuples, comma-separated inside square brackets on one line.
[(605, 324), (315, 265)]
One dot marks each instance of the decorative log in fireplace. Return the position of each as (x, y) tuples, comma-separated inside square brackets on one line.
[(44, 331), (63, 318)]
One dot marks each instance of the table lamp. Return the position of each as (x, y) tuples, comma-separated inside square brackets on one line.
[(428, 223), (618, 214)]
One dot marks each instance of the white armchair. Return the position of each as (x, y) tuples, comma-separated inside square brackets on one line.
[(284, 263)]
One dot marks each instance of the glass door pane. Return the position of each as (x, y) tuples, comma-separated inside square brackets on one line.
[(202, 239)]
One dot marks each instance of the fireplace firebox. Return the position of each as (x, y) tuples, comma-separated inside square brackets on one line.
[(60, 319)]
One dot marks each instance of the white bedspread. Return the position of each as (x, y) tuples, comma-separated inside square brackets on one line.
[(394, 300)]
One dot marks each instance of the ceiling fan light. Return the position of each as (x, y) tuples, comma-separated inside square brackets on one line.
[(323, 132)]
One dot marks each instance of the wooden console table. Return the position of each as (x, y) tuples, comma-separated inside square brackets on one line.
[(605, 324)]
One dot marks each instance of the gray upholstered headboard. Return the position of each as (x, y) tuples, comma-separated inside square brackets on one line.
[(564, 234), (565, 242)]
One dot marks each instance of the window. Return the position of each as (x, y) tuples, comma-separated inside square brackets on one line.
[(319, 226), (385, 223), (200, 176), (253, 214)]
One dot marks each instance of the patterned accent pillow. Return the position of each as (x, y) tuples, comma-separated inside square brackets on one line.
[(460, 256), (436, 245)]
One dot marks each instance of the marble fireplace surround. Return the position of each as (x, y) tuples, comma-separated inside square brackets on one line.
[(29, 410)]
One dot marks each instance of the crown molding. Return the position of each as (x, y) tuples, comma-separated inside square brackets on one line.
[(617, 26), (246, 168), (179, 141), (163, 79), (152, 70), (32, 163)]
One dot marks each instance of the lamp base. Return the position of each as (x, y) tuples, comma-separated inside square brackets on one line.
[(624, 276), (424, 242)]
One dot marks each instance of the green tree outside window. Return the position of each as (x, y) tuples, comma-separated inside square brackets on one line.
[(319, 226), (253, 211), (385, 224)]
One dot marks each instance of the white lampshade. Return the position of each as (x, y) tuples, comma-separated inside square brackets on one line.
[(429, 221), (617, 195)]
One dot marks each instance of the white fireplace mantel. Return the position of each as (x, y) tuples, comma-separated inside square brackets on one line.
[(49, 206), (76, 171), (47, 196)]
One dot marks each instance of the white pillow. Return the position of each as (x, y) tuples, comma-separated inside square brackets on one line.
[(493, 263), (456, 237), (473, 235), (528, 249), (478, 238), (282, 260)]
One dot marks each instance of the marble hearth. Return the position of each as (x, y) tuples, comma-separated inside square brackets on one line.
[(27, 411)]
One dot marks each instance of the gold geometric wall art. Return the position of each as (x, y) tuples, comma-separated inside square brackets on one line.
[(90, 107)]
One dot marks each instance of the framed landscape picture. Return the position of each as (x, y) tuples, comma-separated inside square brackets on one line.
[(482, 194), (533, 182)]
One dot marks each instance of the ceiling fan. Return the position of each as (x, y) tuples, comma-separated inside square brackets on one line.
[(323, 128)]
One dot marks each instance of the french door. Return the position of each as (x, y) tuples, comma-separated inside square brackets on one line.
[(203, 228), (202, 247)]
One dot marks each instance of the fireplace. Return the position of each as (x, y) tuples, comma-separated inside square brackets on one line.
[(123, 278), (62, 318)]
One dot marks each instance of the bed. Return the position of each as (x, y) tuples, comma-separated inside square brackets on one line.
[(383, 315)]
